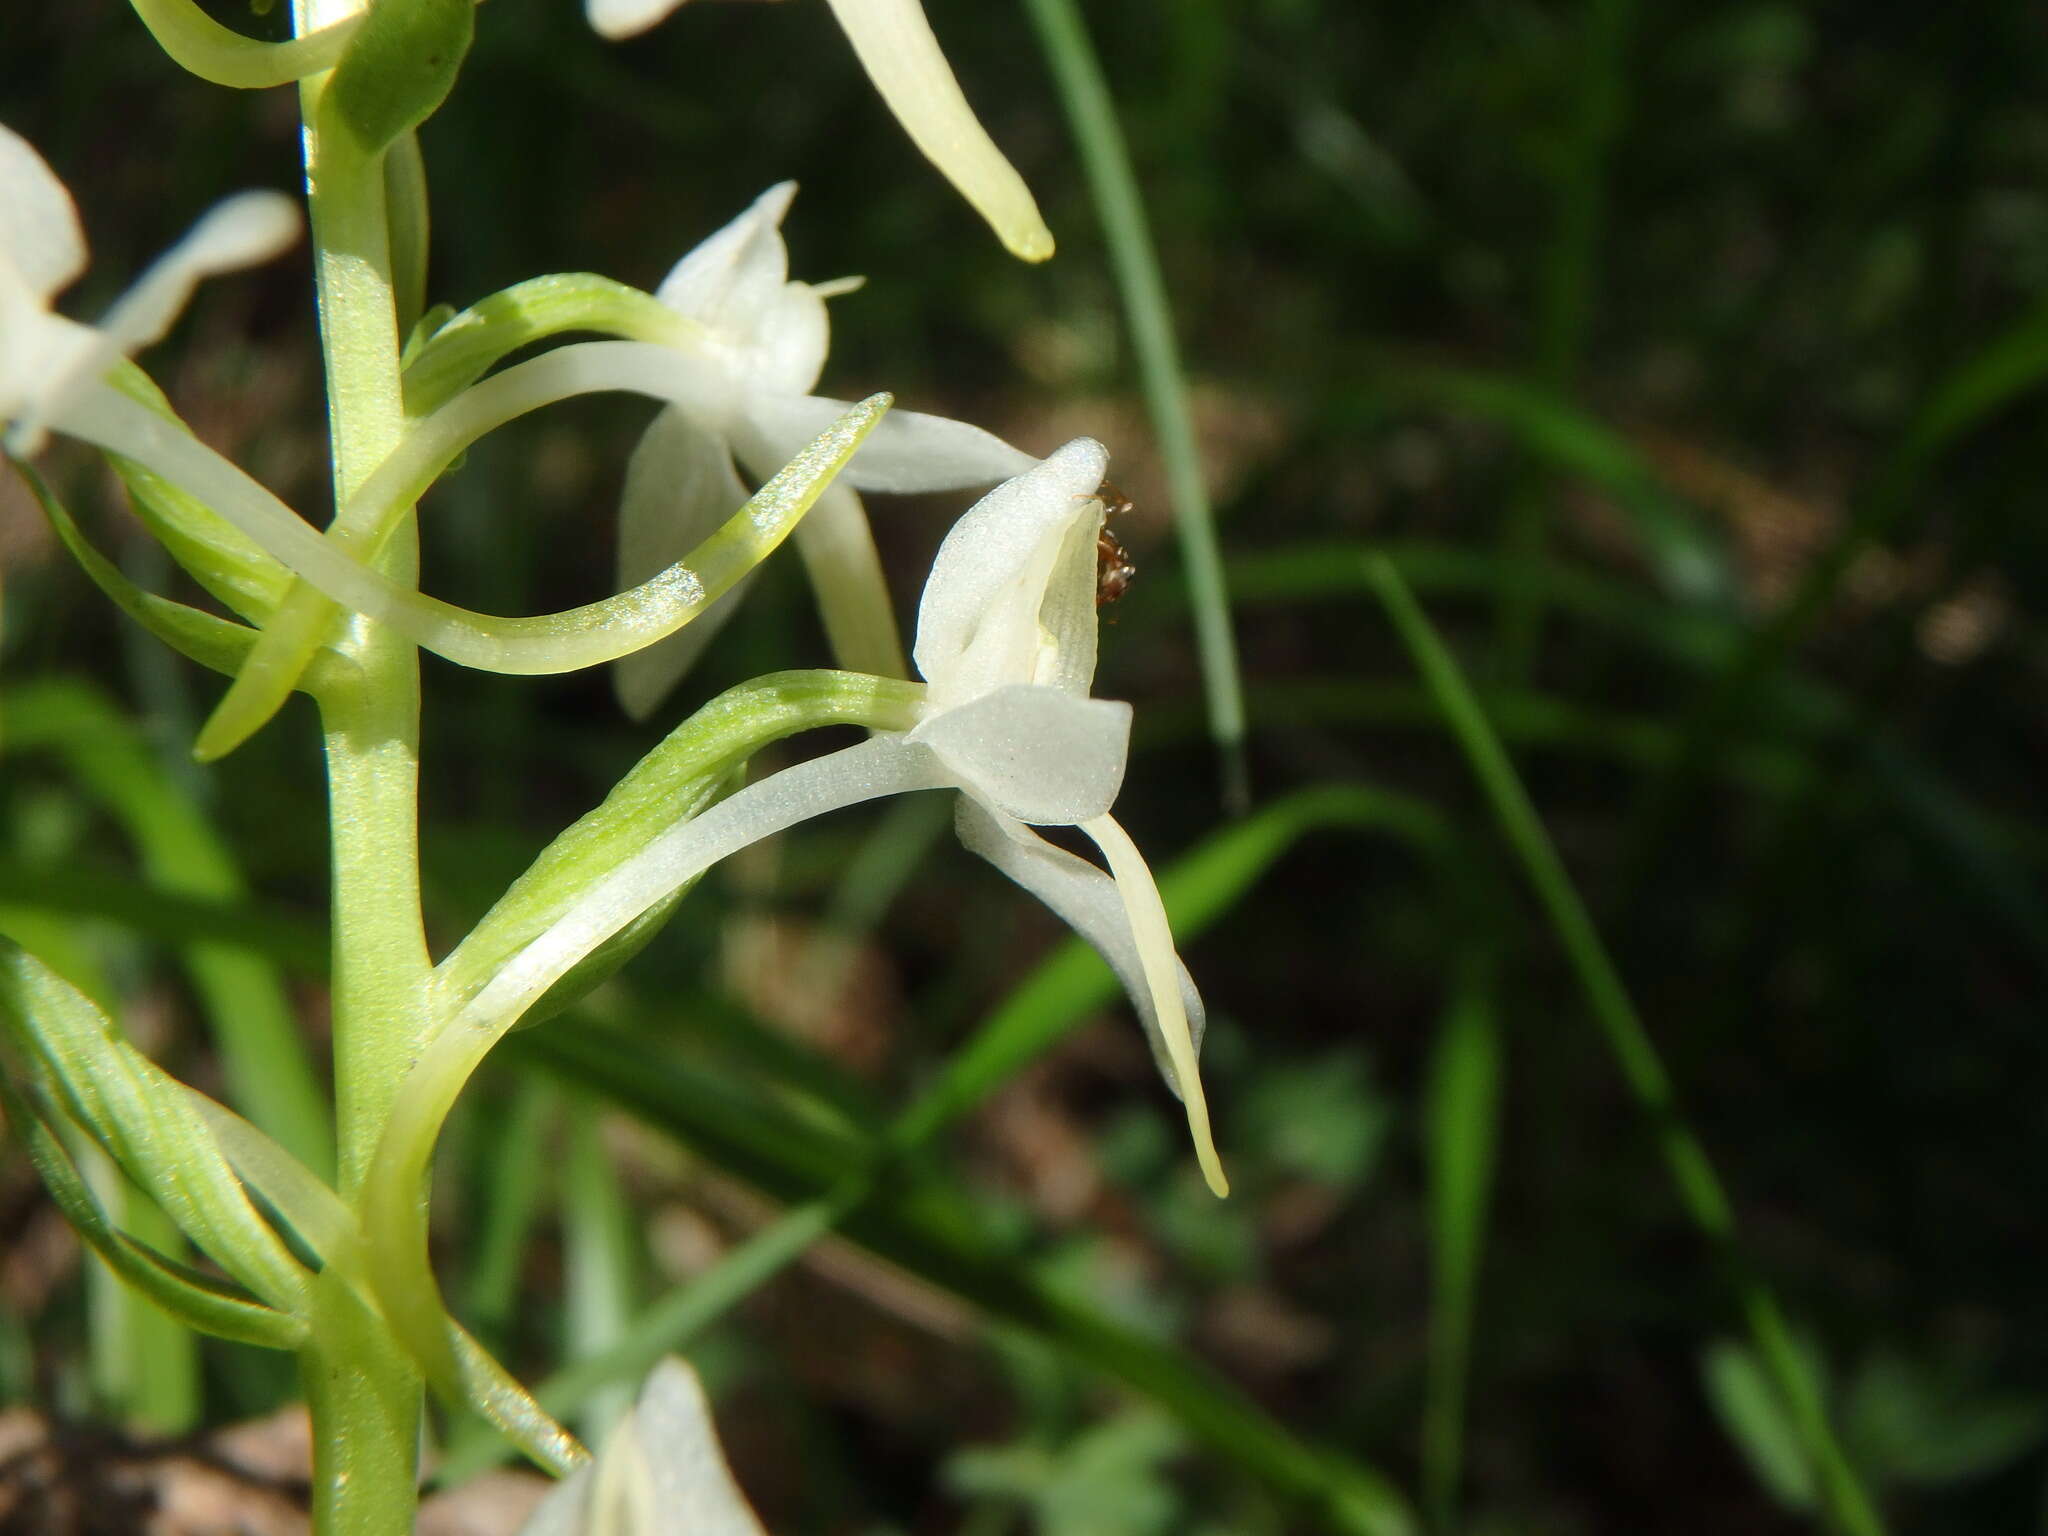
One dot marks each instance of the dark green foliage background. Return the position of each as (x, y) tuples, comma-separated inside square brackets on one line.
[(1511, 290)]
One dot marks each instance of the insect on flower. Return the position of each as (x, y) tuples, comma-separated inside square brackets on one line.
[(1113, 565)]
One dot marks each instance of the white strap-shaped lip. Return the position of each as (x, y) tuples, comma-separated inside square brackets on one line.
[(1122, 919), (580, 637)]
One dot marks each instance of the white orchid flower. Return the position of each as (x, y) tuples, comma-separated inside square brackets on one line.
[(660, 1473), (763, 339), (895, 45), (47, 361), (1006, 643)]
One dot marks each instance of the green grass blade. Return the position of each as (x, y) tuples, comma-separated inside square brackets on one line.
[(1091, 111), (145, 1362), (920, 1229), (514, 1175), (1460, 1131), (243, 998), (600, 1272), (1699, 1188)]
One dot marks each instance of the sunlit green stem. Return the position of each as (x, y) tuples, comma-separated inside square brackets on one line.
[(1692, 1174), (363, 1390)]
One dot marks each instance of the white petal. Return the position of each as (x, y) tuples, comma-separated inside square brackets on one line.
[(40, 238), (728, 282), (978, 623), (1037, 754), (680, 485), (240, 231), (883, 765), (897, 49), (1086, 900), (693, 1487), (616, 19), (561, 1513), (839, 555), (908, 452), (790, 341)]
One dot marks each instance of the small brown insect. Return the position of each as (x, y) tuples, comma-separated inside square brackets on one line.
[(1113, 567)]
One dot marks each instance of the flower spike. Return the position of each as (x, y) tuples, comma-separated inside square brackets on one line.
[(762, 339)]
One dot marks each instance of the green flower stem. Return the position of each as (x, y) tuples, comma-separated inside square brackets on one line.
[(364, 1391), (1699, 1187), (701, 752), (1092, 111)]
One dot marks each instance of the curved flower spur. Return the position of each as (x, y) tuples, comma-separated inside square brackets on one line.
[(1006, 643)]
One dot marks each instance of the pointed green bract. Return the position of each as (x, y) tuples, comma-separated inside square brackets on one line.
[(399, 67), (71, 1052), (194, 1299)]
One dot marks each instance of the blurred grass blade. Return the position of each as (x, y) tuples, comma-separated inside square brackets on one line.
[(1754, 1415), (144, 1361), (1565, 284), (599, 1279), (513, 1172), (672, 1322), (1699, 1188), (1975, 390), (1460, 1130), (197, 1300), (241, 995), (1688, 556), (1091, 111), (923, 1231), (1059, 994)]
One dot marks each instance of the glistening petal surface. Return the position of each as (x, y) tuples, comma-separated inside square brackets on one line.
[(978, 625), (728, 280), (1037, 754)]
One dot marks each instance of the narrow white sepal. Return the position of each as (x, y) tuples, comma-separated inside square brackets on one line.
[(839, 555), (908, 453), (40, 237), (727, 280)]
